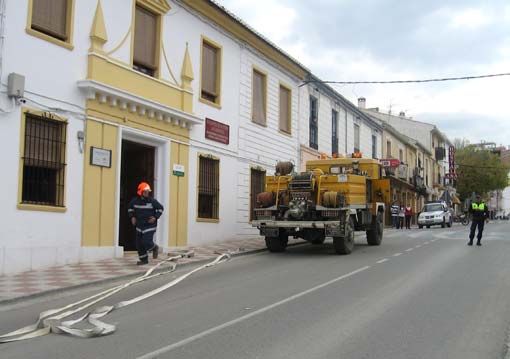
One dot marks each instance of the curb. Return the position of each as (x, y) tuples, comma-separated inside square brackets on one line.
[(22, 298)]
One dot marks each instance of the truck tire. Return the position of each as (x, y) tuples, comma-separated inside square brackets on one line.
[(344, 245), (375, 233), (277, 244), (443, 224), (420, 226)]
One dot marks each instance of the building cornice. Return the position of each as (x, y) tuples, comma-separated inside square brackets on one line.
[(127, 101)]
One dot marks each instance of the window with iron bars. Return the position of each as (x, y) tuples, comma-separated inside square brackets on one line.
[(208, 187), (314, 123), (44, 161)]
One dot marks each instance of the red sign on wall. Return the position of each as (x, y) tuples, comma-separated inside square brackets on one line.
[(217, 131), (390, 162)]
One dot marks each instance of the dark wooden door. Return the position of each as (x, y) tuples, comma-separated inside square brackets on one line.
[(137, 166), (257, 185)]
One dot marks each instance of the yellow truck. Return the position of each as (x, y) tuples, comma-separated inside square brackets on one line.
[(332, 198)]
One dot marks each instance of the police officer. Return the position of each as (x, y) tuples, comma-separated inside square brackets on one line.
[(144, 212), (479, 213)]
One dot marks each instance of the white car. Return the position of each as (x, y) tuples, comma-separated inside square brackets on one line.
[(435, 214)]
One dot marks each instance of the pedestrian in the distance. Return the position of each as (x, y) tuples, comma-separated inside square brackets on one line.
[(401, 217), (479, 214), (144, 212), (408, 214), (394, 214)]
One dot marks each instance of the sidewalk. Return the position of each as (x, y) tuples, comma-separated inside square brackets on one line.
[(34, 283)]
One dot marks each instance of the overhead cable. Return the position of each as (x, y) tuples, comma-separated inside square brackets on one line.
[(405, 81)]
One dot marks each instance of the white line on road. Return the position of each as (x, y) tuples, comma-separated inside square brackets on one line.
[(180, 343), (382, 261), (397, 254), (409, 249), (425, 243), (418, 246)]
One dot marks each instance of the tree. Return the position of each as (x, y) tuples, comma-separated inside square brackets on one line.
[(479, 171)]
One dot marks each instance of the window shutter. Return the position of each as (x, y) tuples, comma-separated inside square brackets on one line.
[(145, 38), (50, 16), (259, 99), (284, 109), (209, 69)]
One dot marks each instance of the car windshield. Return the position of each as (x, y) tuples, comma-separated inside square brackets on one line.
[(432, 208)]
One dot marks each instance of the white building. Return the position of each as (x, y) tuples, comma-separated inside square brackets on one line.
[(330, 125), (436, 167), (118, 92)]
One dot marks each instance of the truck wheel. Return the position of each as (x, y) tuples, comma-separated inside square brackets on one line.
[(344, 245), (277, 244), (375, 233), (420, 226), (443, 224)]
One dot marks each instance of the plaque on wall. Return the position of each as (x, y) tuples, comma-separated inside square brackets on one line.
[(100, 157)]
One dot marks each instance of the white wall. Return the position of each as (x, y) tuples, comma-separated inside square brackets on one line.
[(34, 239)]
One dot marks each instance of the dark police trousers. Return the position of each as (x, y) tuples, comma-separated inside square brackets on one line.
[(144, 242), (476, 223)]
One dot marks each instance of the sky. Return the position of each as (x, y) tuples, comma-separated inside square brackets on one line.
[(384, 40)]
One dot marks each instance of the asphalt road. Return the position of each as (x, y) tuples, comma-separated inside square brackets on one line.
[(421, 294)]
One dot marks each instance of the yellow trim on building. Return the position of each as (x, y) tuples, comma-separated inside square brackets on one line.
[(99, 184), (241, 32), (263, 73), (217, 103), (29, 206), (159, 7), (68, 44)]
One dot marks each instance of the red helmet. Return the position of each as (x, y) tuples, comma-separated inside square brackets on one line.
[(143, 186)]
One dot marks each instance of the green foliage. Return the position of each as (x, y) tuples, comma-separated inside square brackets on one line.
[(479, 171)]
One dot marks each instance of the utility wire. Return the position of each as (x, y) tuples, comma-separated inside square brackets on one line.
[(406, 81)]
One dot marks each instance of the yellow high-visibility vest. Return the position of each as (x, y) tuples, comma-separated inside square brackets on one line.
[(478, 207)]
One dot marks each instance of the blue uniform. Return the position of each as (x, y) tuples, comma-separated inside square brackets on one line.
[(142, 208)]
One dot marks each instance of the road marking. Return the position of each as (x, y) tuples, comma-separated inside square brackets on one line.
[(425, 243), (382, 261), (409, 249), (397, 254), (180, 343), (418, 246)]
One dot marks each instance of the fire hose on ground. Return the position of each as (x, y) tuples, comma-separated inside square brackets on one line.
[(51, 321)]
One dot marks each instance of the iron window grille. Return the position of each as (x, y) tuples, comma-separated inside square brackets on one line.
[(208, 188), (44, 161)]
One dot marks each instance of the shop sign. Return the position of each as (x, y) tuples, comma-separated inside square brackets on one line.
[(390, 162), (217, 131)]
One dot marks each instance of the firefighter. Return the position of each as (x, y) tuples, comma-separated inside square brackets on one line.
[(144, 212), (479, 213)]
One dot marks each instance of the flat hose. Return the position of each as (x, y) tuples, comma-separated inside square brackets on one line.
[(50, 321)]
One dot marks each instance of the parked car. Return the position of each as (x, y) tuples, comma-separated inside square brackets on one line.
[(435, 214)]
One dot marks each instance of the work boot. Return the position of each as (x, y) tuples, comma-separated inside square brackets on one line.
[(155, 251), (142, 262), (470, 243), (478, 243)]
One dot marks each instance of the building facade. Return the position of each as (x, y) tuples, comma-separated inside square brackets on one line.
[(330, 125), (179, 94)]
